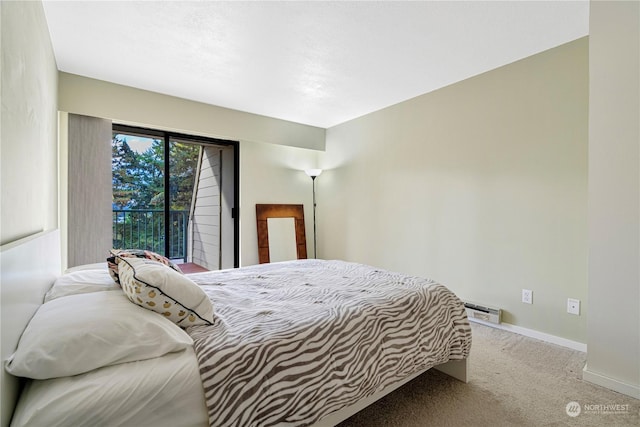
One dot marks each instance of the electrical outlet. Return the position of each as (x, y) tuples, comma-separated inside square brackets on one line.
[(573, 306), (527, 296)]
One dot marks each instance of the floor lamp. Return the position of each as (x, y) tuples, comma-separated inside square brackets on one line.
[(314, 173)]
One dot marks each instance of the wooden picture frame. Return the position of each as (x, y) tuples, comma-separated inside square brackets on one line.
[(266, 211)]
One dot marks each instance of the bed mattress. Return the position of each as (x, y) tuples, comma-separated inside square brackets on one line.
[(163, 391), (295, 341)]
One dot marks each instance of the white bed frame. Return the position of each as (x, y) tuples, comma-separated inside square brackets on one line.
[(28, 268)]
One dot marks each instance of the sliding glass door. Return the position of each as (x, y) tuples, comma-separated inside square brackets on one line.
[(166, 195), (138, 192)]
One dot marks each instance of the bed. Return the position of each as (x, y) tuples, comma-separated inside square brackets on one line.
[(293, 343)]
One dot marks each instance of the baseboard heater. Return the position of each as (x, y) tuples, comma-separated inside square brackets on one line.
[(483, 312)]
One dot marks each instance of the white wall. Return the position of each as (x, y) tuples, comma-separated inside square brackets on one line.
[(28, 149), (481, 186), (614, 197), (28, 183)]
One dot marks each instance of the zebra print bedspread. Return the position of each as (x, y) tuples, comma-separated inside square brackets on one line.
[(294, 341)]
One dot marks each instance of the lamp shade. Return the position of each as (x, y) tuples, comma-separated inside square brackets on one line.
[(313, 172)]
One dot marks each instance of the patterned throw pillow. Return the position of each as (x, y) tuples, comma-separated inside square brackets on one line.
[(135, 253), (155, 286)]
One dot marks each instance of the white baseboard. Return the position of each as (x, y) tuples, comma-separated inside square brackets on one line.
[(587, 375), (610, 383), (574, 345)]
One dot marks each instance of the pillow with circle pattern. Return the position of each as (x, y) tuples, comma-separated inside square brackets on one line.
[(155, 286), (136, 253)]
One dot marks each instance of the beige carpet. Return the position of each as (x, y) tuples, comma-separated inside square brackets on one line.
[(515, 381)]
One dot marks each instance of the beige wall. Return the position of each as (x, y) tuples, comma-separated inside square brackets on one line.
[(481, 185), (614, 197), (270, 149), (272, 174), (129, 105), (28, 150)]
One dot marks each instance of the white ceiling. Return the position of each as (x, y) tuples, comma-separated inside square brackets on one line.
[(318, 63)]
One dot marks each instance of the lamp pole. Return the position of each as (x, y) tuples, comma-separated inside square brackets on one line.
[(314, 173), (313, 184)]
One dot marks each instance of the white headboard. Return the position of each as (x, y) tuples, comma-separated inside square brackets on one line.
[(28, 267)]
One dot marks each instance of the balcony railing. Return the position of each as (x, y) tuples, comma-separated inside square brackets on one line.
[(144, 229)]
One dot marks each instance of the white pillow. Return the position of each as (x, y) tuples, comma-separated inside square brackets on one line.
[(155, 286), (80, 282), (80, 333), (95, 266)]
